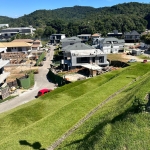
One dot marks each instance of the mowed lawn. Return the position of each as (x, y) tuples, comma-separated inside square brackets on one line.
[(45, 119), (115, 126)]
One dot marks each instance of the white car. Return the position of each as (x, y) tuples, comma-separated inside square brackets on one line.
[(132, 60)]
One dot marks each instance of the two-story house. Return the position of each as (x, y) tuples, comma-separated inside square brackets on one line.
[(115, 33), (35, 44), (17, 46), (80, 54), (132, 36), (56, 38), (9, 32), (84, 37), (109, 45)]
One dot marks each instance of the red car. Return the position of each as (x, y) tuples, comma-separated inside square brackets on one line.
[(145, 61), (43, 91)]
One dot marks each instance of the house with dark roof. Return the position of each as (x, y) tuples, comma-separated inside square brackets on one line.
[(115, 33), (70, 41), (80, 54), (132, 36), (84, 37)]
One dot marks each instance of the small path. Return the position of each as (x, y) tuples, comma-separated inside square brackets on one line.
[(91, 113)]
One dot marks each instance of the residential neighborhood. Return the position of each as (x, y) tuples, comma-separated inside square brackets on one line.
[(76, 77)]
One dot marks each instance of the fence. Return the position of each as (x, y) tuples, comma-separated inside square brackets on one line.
[(13, 83), (57, 79), (27, 81)]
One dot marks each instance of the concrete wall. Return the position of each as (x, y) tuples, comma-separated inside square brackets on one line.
[(99, 60)]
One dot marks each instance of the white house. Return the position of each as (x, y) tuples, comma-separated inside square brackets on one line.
[(56, 38), (9, 32), (109, 45), (17, 46), (4, 25)]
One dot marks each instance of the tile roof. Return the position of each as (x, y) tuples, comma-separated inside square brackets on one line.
[(35, 45), (22, 40), (16, 44), (2, 45), (96, 34)]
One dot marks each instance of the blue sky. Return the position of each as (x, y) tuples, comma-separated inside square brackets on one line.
[(17, 8)]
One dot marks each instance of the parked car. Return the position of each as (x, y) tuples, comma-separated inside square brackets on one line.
[(132, 60), (145, 61), (40, 64), (43, 91), (44, 59)]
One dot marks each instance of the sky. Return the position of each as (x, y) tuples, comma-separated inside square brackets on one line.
[(17, 8)]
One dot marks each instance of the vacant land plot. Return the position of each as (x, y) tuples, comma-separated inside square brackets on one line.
[(18, 71), (47, 118), (123, 57)]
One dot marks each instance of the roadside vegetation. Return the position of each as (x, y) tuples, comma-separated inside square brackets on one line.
[(45, 119)]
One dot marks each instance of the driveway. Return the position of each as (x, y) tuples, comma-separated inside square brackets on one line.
[(41, 81)]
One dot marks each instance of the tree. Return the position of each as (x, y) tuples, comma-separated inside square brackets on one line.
[(48, 31)]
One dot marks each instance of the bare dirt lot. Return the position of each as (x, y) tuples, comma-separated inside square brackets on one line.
[(18, 71), (123, 57)]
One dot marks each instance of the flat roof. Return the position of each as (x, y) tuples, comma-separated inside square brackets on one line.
[(91, 52), (84, 35), (92, 66)]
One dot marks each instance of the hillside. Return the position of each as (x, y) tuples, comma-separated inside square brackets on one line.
[(83, 19), (4, 19), (38, 124)]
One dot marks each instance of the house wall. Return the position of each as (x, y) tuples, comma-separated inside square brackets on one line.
[(99, 60), (3, 50), (18, 49)]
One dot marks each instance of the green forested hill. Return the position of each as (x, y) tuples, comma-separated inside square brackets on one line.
[(82, 19), (4, 19)]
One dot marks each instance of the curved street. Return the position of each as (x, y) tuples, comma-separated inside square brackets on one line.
[(41, 81)]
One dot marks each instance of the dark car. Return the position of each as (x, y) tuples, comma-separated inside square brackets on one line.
[(44, 59), (43, 91)]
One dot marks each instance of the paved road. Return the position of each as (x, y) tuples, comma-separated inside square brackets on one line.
[(41, 81)]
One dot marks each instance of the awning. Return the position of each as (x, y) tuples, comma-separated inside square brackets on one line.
[(92, 66)]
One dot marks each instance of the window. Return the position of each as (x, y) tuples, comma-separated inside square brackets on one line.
[(115, 42), (101, 59), (83, 60)]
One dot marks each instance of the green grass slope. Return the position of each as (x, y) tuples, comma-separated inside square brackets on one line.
[(115, 126), (44, 120)]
